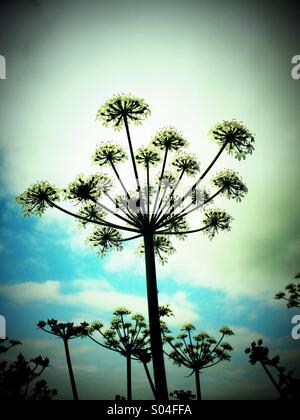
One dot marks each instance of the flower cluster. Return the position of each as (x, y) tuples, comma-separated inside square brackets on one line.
[(177, 225), (291, 295), (169, 139), (109, 154), (147, 156), (258, 353), (127, 334), (198, 351), (236, 138), (87, 189), (186, 163), (64, 330), (105, 239), (162, 247), (37, 198), (230, 183), (90, 212), (121, 107), (200, 196), (216, 220)]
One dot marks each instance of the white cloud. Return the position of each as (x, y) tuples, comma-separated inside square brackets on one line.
[(32, 292), (224, 264), (184, 310), (95, 295), (244, 336), (128, 261), (68, 233), (200, 262)]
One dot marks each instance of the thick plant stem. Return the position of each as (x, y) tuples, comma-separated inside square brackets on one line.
[(129, 385), (71, 373), (160, 379), (198, 387), (149, 379)]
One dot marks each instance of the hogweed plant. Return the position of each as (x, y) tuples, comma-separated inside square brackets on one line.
[(127, 335), (287, 386), (65, 331), (197, 351), (19, 378), (151, 208)]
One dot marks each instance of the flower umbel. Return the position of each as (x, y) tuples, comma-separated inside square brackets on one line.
[(106, 239), (177, 225), (198, 351), (119, 107), (109, 153), (162, 248), (91, 212), (64, 330), (147, 156), (169, 138), (37, 198), (238, 139), (84, 189), (216, 220), (186, 163), (232, 186)]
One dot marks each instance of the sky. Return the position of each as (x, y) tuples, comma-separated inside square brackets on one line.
[(195, 63)]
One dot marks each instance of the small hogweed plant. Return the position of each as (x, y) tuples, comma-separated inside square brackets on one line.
[(20, 379), (127, 335), (287, 386), (197, 351), (151, 206), (66, 331)]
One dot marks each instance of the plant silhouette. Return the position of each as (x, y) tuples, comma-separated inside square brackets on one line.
[(127, 335), (18, 379), (144, 356), (197, 351), (293, 292), (65, 331), (120, 398), (182, 395), (151, 209), (285, 384)]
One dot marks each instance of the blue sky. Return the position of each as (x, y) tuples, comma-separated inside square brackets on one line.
[(195, 64)]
